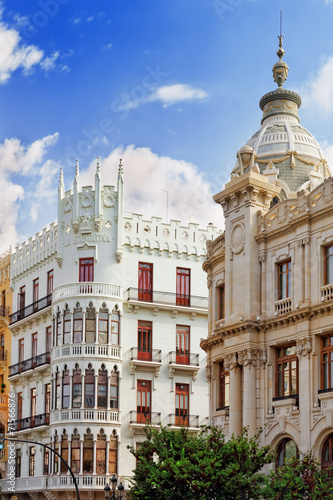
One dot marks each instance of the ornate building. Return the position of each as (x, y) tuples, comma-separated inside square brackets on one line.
[(110, 311), (5, 353), (270, 276)]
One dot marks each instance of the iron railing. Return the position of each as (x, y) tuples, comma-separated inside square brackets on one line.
[(151, 417), (187, 358), (29, 364), (168, 298), (178, 420), (31, 422), (154, 355), (31, 309)]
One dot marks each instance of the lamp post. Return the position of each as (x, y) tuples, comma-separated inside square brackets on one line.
[(107, 490)]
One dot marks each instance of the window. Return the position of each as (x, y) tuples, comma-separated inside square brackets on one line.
[(33, 405), (327, 363), (59, 328), (76, 447), (115, 329), (86, 270), (145, 286), (46, 462), (90, 326), (56, 460), (65, 389), (89, 388), (2, 339), (50, 282), (144, 340), (34, 345), (67, 327), (328, 275), (286, 450), (57, 391), (327, 456), (224, 386), (114, 389), (221, 296), (183, 345), (182, 404), (47, 398), (88, 448), (183, 287), (77, 389), (31, 461), (48, 342), (21, 350), (287, 372), (35, 293), (18, 463), (101, 389), (144, 401), (103, 326), (284, 280), (21, 299), (101, 454), (64, 452), (78, 326), (19, 406), (3, 299), (113, 453)]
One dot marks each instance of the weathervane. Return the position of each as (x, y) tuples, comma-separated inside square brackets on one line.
[(280, 52)]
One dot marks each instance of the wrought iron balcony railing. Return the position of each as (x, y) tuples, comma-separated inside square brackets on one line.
[(183, 358), (30, 422), (185, 420), (148, 417), (31, 309), (166, 298), (153, 355), (29, 364)]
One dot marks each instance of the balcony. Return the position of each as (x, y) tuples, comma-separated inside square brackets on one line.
[(85, 415), (29, 422), (27, 311), (145, 360), (85, 482), (4, 311), (283, 306), (94, 350), (190, 421), (166, 300), (30, 364), (326, 293), (138, 421), (34, 483), (86, 289), (184, 363)]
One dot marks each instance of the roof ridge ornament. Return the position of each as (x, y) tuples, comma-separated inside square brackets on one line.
[(280, 69)]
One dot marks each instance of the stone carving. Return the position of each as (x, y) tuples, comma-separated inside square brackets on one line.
[(304, 346), (237, 238), (230, 361), (209, 372)]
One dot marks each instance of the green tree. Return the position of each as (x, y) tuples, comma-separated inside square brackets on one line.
[(178, 465), (299, 478)]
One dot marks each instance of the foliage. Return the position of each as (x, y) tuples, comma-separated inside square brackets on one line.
[(178, 465), (299, 478)]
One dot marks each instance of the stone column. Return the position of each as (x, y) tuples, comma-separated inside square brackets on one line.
[(82, 392), (301, 271), (70, 391), (96, 329), (69, 454), (262, 260), (81, 456), (94, 457), (109, 329), (307, 269), (96, 389), (248, 359), (305, 389), (71, 339), (235, 408), (83, 327)]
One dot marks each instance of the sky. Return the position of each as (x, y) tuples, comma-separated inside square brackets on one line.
[(170, 86)]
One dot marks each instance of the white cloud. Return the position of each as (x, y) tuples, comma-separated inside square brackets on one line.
[(19, 166), (145, 176), (319, 92), (108, 46), (172, 94), (50, 62)]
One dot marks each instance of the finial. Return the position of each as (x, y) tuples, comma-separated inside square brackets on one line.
[(280, 69), (120, 170), (98, 166), (280, 53), (77, 167), (61, 175)]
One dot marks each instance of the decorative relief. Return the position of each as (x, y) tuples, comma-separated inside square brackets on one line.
[(185, 235), (230, 361), (166, 233), (304, 346), (237, 238), (128, 226), (109, 201), (209, 372), (203, 238), (108, 224), (328, 196)]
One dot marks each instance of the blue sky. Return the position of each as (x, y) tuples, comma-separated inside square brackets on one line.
[(171, 86)]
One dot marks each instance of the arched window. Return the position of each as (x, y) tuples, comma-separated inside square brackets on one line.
[(90, 325), (327, 456), (89, 390), (64, 452), (88, 452), (75, 461), (101, 453), (286, 450), (115, 328), (102, 388), (65, 388), (59, 327), (113, 452), (56, 448), (77, 326), (103, 326), (114, 388), (57, 390), (67, 327), (77, 388)]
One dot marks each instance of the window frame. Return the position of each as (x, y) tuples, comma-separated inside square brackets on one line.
[(327, 262), (86, 270), (145, 281), (32, 460), (329, 351), (224, 387), (183, 286), (288, 285), (280, 361)]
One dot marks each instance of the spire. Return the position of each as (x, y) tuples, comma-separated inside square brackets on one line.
[(98, 166), (61, 185), (280, 69), (77, 173), (120, 171)]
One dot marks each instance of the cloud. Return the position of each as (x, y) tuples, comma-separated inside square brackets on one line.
[(146, 174), (108, 46), (23, 176), (319, 92), (50, 62), (172, 94)]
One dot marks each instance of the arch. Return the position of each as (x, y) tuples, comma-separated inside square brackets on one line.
[(286, 449), (89, 387), (90, 324), (77, 387), (326, 456), (64, 451), (101, 453), (102, 384), (75, 451), (88, 451)]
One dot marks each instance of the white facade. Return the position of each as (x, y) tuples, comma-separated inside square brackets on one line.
[(94, 253)]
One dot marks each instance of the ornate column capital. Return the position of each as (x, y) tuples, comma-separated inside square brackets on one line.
[(304, 346), (230, 361), (209, 371)]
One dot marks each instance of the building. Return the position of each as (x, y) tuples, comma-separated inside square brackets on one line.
[(270, 276), (5, 350), (111, 309)]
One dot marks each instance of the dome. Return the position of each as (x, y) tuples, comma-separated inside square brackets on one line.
[(282, 141)]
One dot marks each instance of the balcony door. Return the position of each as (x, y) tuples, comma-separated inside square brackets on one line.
[(183, 345), (86, 274), (183, 287), (144, 401), (182, 411), (145, 340), (145, 285)]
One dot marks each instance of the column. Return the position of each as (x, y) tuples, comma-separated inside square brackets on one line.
[(108, 391), (96, 329), (235, 408), (72, 329), (248, 358), (61, 379), (305, 381), (81, 456), (60, 338), (70, 391), (96, 389), (307, 269), (109, 329), (262, 260), (83, 327), (69, 461), (94, 457), (82, 392), (107, 456)]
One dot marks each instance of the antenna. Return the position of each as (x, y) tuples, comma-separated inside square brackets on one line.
[(167, 210), (280, 22)]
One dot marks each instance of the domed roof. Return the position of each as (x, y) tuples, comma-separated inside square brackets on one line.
[(282, 140)]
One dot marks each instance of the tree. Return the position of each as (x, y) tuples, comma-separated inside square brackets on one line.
[(178, 465), (299, 478)]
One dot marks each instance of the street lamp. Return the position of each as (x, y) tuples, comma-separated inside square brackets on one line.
[(107, 490)]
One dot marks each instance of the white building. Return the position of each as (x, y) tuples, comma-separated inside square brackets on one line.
[(106, 331)]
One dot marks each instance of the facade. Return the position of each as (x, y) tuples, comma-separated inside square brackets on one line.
[(5, 351), (110, 312), (270, 342)]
